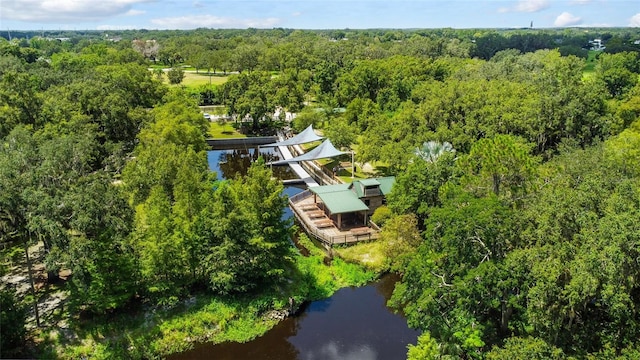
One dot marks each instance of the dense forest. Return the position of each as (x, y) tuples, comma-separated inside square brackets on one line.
[(513, 221)]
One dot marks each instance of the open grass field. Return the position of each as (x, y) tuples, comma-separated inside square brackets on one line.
[(195, 80), (192, 79), (590, 66), (223, 130)]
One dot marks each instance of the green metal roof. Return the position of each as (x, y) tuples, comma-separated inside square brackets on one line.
[(386, 183), (369, 182), (329, 188), (345, 198), (340, 202)]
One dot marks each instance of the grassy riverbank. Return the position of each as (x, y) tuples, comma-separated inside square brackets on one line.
[(158, 332)]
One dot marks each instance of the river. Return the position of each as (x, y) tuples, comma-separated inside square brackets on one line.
[(353, 324)]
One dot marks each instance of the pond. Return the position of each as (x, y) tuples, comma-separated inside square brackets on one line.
[(353, 324)]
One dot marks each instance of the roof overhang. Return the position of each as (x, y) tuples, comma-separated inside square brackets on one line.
[(342, 202)]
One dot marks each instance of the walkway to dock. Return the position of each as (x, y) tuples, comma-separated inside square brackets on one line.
[(302, 173)]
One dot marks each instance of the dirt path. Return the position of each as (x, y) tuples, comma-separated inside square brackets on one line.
[(51, 297)]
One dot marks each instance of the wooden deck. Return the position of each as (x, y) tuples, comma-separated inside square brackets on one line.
[(319, 226)]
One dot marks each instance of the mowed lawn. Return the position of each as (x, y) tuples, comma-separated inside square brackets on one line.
[(590, 65), (197, 79), (223, 130), (192, 79)]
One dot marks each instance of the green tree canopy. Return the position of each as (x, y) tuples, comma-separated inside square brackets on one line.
[(251, 240)]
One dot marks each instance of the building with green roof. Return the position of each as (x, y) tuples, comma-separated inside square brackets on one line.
[(354, 203)]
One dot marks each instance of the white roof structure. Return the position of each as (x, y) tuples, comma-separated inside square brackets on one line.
[(307, 136), (324, 150)]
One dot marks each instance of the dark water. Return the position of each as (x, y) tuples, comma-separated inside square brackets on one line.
[(229, 163), (354, 324)]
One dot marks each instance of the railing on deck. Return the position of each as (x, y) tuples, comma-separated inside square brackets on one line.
[(299, 197), (320, 173), (319, 234)]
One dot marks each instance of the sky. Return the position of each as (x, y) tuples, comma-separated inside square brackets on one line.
[(314, 14)]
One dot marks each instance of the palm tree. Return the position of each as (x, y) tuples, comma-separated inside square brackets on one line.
[(431, 150)]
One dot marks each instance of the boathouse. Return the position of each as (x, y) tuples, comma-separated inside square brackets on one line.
[(352, 204), (349, 205)]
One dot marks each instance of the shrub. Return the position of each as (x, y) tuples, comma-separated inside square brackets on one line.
[(12, 322), (175, 75), (381, 215)]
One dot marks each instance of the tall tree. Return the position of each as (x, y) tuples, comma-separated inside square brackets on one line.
[(99, 255), (251, 238), (502, 164), (417, 189), (167, 182), (249, 95)]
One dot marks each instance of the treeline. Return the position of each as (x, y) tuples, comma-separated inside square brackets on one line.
[(484, 43)]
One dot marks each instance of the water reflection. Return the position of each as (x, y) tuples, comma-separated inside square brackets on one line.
[(334, 351), (229, 163), (386, 285), (353, 324)]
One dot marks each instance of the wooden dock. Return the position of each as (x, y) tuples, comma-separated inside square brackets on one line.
[(320, 227)]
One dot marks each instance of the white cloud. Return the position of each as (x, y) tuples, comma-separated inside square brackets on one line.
[(210, 21), (635, 20), (134, 12), (580, 2), (567, 19), (332, 351), (64, 11), (527, 6), (296, 14)]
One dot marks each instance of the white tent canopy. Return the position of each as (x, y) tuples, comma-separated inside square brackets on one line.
[(324, 150), (307, 136)]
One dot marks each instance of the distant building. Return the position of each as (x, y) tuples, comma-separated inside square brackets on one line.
[(596, 44), (113, 38)]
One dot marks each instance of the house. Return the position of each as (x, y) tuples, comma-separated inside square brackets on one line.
[(339, 214), (352, 204), (596, 44)]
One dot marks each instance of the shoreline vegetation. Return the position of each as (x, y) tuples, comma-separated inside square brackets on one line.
[(157, 332)]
